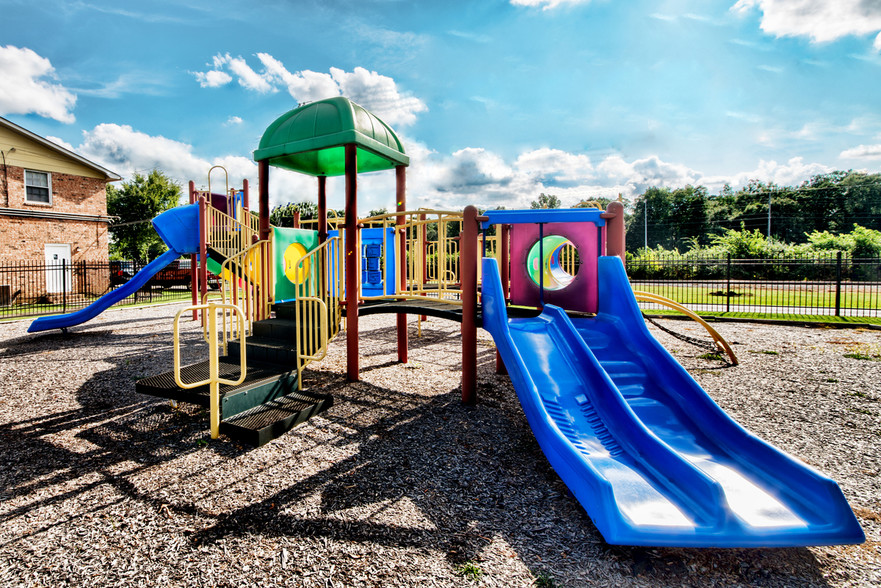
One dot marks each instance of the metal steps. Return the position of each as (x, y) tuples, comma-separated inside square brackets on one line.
[(272, 419), (267, 404)]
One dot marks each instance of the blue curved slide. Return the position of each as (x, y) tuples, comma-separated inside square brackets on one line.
[(648, 454), (178, 228)]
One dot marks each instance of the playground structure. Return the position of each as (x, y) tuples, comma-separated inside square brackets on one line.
[(653, 460)]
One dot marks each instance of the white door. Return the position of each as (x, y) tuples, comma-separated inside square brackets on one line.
[(59, 277)]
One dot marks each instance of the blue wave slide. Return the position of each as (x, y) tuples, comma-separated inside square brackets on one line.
[(178, 228), (648, 454)]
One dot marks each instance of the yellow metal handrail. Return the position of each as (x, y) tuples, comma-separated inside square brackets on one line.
[(720, 342), (311, 342), (214, 380), (246, 283), (317, 306), (226, 235), (431, 266)]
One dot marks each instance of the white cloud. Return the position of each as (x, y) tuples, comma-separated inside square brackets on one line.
[(862, 152), (234, 120), (555, 165), (29, 88), (791, 173), (213, 78), (60, 142), (378, 93), (445, 181), (547, 4), (125, 151), (820, 20)]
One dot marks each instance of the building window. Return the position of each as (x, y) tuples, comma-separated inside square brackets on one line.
[(38, 187)]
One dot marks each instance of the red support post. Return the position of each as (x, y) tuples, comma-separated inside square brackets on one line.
[(353, 256), (263, 171), (322, 209), (468, 277), (504, 270), (401, 206), (194, 274), (245, 195), (296, 219), (203, 250), (614, 216)]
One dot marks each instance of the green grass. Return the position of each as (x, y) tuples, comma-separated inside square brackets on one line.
[(780, 316), (810, 296), (470, 571), (544, 580)]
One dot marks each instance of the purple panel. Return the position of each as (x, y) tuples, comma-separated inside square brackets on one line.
[(581, 294), (219, 202)]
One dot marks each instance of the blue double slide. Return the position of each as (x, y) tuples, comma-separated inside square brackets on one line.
[(178, 228), (648, 454)]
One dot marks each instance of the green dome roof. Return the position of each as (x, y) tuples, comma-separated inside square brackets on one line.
[(310, 139)]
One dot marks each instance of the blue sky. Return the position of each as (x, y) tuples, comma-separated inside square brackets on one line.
[(495, 100)]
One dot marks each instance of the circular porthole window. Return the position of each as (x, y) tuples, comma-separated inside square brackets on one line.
[(553, 262)]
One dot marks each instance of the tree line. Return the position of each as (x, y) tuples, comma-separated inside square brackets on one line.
[(838, 210), (690, 217)]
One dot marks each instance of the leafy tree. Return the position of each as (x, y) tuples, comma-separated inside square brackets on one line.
[(283, 214), (546, 201), (135, 203), (603, 202)]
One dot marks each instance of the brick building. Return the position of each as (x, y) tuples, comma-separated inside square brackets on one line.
[(53, 210)]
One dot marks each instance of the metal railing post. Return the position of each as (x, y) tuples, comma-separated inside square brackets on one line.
[(728, 285), (838, 284), (64, 285)]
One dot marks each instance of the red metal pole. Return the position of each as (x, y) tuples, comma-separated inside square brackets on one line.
[(245, 195), (322, 209), (263, 171), (296, 219), (468, 278), (353, 255), (614, 216), (401, 206), (194, 275), (203, 250), (505, 270)]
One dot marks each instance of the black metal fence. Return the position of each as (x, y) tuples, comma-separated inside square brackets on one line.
[(821, 285), (35, 288), (824, 285)]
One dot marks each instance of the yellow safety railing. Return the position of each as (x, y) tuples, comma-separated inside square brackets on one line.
[(720, 342), (247, 284), (214, 380), (317, 304), (226, 235), (431, 263), (334, 222)]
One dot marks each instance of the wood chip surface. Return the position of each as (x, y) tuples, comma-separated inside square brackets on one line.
[(398, 484)]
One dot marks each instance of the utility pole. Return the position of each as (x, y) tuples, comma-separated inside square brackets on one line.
[(646, 219), (769, 214)]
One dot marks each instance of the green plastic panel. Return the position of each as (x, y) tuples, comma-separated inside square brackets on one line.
[(288, 246)]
